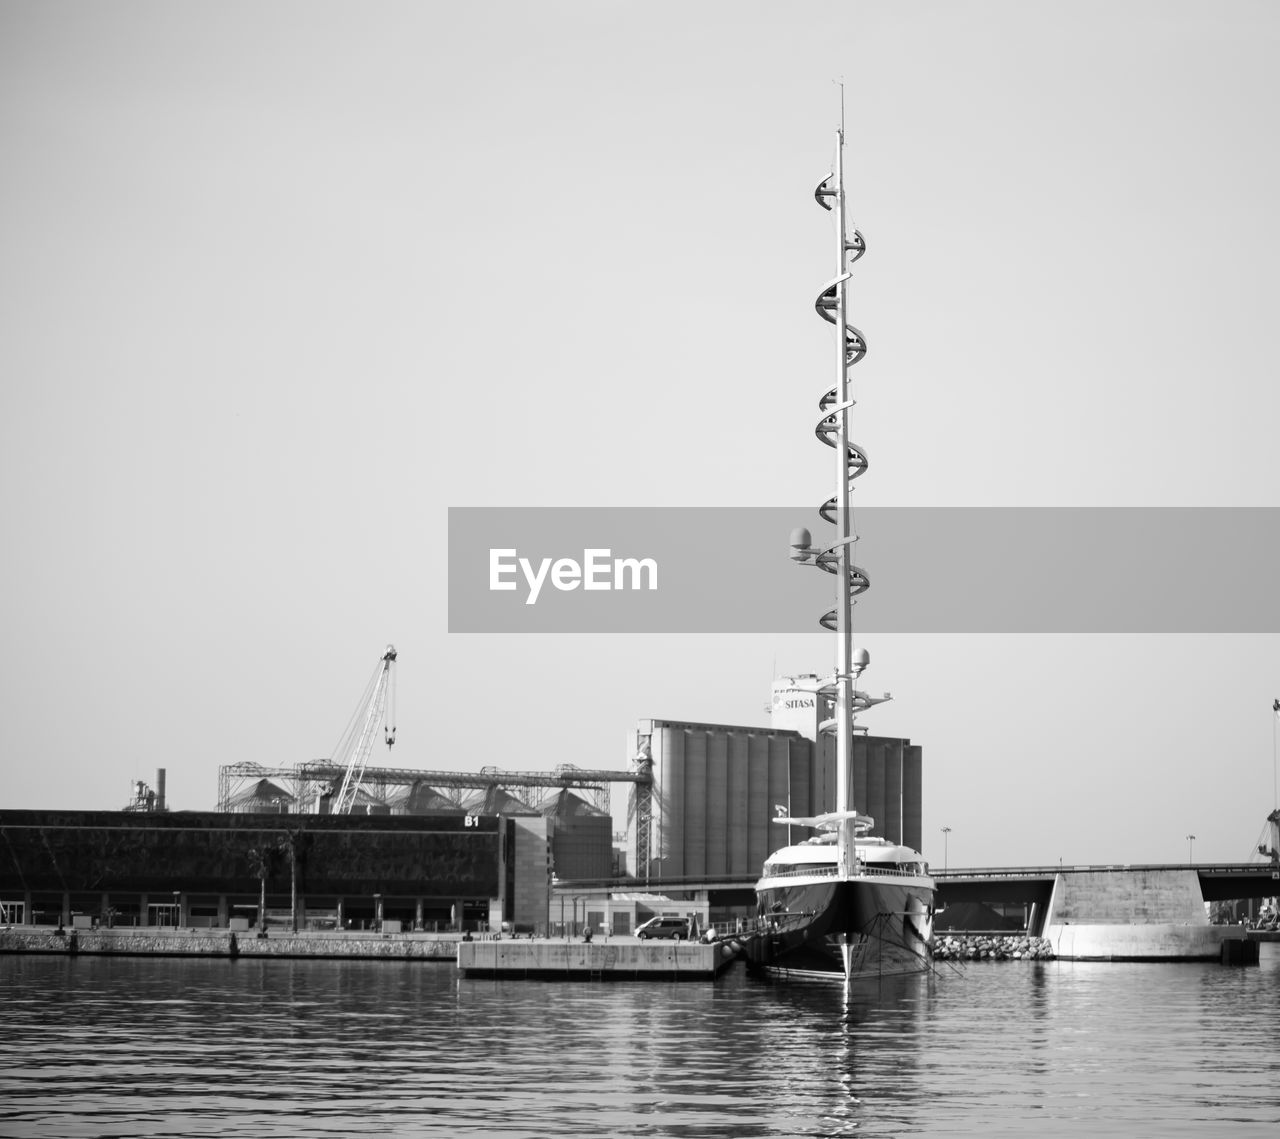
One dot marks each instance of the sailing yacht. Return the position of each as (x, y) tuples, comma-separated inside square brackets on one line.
[(843, 903)]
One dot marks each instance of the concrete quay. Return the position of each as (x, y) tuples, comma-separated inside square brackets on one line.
[(139, 942), (487, 956), (618, 959), (1152, 941)]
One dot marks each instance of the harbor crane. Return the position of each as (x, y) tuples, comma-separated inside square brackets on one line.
[(378, 705)]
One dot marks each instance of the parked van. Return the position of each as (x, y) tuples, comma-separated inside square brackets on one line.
[(674, 928)]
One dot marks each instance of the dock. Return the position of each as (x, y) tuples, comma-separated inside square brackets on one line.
[(615, 960), (151, 942), (623, 958)]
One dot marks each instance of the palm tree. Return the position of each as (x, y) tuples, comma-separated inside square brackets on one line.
[(294, 844), (262, 859)]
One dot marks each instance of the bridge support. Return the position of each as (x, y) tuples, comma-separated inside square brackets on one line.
[(1136, 915)]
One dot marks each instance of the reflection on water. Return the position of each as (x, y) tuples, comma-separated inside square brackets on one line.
[(121, 1046)]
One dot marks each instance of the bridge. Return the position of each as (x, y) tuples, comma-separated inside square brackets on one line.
[(1135, 912), (1006, 885), (1029, 885)]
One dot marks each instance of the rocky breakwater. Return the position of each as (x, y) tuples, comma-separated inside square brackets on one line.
[(991, 947)]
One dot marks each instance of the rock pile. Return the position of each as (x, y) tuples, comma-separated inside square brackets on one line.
[(979, 947)]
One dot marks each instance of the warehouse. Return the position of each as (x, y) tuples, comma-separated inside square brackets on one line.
[(208, 869)]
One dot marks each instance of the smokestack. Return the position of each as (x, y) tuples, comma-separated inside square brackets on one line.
[(160, 789)]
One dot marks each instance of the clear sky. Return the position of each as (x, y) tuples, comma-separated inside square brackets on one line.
[(282, 282)]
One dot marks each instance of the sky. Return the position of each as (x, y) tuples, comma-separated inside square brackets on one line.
[(282, 283)]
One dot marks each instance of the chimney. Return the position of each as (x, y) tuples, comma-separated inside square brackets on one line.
[(160, 789)]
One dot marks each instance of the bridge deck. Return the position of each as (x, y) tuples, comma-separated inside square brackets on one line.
[(1219, 881)]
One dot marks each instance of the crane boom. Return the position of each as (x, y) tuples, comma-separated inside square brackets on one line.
[(377, 704)]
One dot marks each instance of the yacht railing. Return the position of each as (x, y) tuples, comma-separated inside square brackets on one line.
[(824, 871)]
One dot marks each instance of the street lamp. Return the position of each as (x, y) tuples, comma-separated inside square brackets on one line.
[(1191, 841), (945, 831)]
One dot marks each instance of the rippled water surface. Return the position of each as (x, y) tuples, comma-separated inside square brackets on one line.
[(126, 1047)]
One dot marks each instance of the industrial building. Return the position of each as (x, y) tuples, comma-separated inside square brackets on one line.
[(209, 869), (572, 803), (434, 849), (715, 788)]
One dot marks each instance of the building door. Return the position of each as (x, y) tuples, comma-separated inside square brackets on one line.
[(162, 914)]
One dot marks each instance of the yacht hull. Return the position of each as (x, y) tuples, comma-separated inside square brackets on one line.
[(827, 927)]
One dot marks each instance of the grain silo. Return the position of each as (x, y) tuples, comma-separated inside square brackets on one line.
[(419, 798), (717, 787), (262, 797)]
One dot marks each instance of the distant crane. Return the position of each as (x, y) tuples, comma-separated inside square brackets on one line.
[(640, 806), (378, 705)]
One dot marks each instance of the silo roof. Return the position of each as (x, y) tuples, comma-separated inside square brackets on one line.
[(565, 804)]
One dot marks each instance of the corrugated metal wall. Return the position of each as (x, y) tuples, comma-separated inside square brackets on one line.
[(717, 848), (695, 800), (758, 810), (582, 846), (736, 801), (913, 816)]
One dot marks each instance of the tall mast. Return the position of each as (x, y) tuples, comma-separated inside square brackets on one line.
[(851, 461), (844, 535)]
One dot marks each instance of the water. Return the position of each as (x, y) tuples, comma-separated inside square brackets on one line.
[(156, 1047)]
